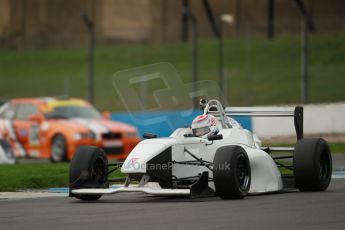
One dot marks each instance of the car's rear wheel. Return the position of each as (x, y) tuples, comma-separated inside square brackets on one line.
[(312, 165), (232, 174), (58, 149), (88, 169)]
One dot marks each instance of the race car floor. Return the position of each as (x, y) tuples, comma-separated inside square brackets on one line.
[(293, 210)]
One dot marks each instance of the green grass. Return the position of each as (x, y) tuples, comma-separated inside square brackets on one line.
[(337, 147), (262, 71), (35, 176)]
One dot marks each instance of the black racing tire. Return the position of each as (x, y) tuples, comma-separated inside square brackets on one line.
[(88, 197), (88, 169), (312, 163), (58, 149), (232, 174)]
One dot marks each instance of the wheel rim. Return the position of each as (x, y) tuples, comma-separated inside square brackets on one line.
[(242, 172), (325, 165), (58, 149), (98, 172)]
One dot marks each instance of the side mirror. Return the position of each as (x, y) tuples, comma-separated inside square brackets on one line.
[(149, 135), (106, 115), (215, 137), (36, 118), (202, 103)]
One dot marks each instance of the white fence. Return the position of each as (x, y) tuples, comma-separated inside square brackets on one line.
[(318, 119)]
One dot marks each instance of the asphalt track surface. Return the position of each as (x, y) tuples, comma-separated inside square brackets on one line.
[(293, 210)]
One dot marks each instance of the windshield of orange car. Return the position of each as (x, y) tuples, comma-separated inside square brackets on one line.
[(69, 111)]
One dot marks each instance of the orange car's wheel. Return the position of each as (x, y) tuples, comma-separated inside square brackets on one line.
[(58, 149)]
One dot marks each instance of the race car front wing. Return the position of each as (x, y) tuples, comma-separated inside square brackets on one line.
[(150, 188), (198, 189)]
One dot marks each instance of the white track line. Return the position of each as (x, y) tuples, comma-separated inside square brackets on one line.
[(29, 195)]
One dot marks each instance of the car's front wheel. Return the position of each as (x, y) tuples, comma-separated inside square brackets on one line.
[(58, 149), (88, 169), (232, 174)]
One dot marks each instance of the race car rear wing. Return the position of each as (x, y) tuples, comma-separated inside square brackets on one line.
[(214, 107), (295, 112)]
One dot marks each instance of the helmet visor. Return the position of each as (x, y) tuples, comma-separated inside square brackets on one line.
[(201, 131)]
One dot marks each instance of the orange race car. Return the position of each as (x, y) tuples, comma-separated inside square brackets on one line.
[(54, 128)]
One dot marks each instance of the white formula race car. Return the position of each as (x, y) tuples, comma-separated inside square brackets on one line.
[(230, 164)]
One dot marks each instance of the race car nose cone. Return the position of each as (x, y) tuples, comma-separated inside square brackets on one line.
[(140, 155)]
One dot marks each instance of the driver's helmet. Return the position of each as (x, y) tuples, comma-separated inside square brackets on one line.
[(205, 126)]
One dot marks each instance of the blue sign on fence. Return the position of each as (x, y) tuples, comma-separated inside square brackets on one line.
[(164, 123)]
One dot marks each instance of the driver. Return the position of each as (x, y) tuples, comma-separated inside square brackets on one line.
[(205, 125)]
